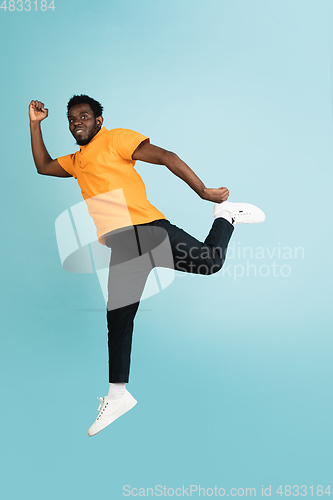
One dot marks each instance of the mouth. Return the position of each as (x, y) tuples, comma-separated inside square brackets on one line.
[(79, 130)]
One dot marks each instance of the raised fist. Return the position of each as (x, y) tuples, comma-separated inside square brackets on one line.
[(37, 112)]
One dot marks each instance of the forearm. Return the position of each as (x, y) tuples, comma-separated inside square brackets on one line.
[(39, 152), (184, 172), (153, 154)]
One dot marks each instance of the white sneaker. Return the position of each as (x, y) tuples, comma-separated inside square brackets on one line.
[(241, 213), (109, 411)]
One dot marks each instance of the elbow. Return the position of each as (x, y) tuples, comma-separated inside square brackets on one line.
[(41, 171), (44, 168), (168, 158)]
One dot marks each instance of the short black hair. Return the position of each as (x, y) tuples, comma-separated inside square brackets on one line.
[(85, 99)]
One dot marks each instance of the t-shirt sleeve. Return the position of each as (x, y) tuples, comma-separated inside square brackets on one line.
[(125, 142), (68, 163)]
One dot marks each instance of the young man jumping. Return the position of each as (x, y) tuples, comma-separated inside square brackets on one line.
[(139, 235)]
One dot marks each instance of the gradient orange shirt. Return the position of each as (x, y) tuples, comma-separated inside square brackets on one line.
[(113, 190)]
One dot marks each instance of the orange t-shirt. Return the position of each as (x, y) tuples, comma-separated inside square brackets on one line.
[(113, 190)]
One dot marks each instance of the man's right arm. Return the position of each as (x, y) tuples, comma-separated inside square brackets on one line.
[(44, 163)]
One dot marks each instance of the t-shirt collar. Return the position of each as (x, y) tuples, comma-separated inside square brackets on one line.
[(96, 136)]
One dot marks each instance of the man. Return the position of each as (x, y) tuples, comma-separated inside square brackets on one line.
[(139, 235)]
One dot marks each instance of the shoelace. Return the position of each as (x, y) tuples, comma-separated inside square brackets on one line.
[(102, 406)]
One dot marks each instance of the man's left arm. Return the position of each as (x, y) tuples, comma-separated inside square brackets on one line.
[(153, 154)]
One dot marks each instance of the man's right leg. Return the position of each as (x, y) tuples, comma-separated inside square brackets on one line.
[(128, 273)]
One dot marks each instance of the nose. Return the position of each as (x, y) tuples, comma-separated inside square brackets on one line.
[(77, 122)]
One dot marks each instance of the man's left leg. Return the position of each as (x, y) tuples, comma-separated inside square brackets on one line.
[(191, 255)]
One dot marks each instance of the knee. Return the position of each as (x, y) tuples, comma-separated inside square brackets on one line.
[(215, 268), (207, 270)]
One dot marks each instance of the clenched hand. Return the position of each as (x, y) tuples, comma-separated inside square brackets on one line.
[(216, 195), (37, 112)]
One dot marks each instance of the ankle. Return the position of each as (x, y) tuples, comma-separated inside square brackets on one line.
[(225, 215), (116, 390)]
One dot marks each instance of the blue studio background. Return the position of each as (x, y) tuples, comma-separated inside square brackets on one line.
[(232, 372)]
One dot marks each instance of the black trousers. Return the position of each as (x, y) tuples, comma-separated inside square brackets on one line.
[(136, 250)]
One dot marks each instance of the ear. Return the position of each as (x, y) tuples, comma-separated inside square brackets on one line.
[(99, 121)]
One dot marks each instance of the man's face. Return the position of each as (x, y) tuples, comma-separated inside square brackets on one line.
[(82, 123)]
